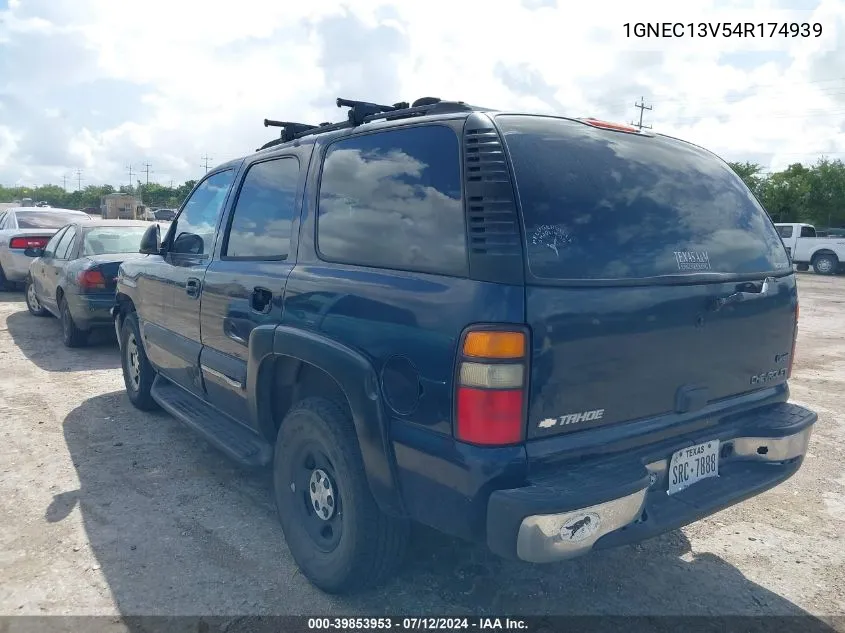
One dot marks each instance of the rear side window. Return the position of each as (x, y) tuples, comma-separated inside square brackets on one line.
[(261, 222), (784, 231), (393, 200), (599, 204), (808, 231)]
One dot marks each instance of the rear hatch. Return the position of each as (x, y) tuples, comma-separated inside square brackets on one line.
[(632, 241)]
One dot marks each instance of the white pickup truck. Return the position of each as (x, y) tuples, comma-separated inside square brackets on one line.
[(825, 254)]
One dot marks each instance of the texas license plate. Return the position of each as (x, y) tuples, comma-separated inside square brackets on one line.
[(691, 465)]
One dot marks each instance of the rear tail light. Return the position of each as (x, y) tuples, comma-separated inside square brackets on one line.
[(28, 242), (491, 385), (794, 340), (92, 280)]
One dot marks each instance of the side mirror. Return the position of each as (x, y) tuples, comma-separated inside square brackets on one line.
[(34, 251), (151, 241)]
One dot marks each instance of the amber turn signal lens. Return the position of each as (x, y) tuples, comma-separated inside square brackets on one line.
[(495, 345)]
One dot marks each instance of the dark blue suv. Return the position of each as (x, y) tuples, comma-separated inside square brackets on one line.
[(551, 335)]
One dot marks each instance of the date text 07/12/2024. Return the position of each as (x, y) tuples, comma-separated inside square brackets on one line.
[(722, 29), (416, 624)]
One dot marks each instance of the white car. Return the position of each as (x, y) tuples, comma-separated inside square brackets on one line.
[(825, 254), (28, 227)]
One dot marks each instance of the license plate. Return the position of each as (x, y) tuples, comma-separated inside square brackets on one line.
[(691, 465)]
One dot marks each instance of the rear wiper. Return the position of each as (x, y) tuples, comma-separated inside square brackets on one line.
[(738, 297)]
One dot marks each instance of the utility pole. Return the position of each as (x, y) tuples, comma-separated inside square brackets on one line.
[(64, 182), (131, 172), (79, 179), (147, 171), (643, 107), (205, 159)]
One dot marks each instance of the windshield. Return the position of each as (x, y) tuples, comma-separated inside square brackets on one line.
[(45, 219), (599, 204), (112, 239)]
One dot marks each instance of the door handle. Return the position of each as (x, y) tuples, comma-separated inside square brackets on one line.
[(192, 287)]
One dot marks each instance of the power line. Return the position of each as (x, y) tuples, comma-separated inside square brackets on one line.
[(205, 159), (643, 107)]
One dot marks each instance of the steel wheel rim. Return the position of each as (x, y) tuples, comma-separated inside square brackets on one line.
[(825, 265), (133, 363), (320, 504), (34, 304)]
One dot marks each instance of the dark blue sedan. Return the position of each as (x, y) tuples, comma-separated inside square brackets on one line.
[(73, 276)]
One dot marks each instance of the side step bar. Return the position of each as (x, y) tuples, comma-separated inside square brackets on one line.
[(234, 439)]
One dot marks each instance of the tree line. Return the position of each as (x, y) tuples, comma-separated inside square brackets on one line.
[(152, 195), (814, 194)]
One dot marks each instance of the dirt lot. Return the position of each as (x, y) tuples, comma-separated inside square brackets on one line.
[(107, 510)]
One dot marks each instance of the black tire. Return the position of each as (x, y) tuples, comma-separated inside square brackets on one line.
[(32, 303), (5, 284), (72, 336), (826, 264), (137, 387), (364, 546)]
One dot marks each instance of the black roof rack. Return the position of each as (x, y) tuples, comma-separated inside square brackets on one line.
[(361, 112)]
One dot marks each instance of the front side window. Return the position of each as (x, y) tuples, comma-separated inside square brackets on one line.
[(50, 249), (64, 247), (195, 226), (393, 200), (264, 212)]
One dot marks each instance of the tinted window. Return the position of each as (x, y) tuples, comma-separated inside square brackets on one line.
[(112, 239), (808, 231), (393, 199), (599, 204), (194, 231), (784, 231), (50, 249), (264, 212), (45, 219), (64, 246)]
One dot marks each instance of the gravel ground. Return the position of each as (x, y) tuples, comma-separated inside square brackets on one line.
[(110, 511)]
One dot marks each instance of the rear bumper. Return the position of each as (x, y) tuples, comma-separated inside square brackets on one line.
[(622, 499), (16, 265), (91, 311)]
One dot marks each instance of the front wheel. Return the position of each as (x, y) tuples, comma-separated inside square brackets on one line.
[(32, 303), (337, 534), (138, 373), (826, 264)]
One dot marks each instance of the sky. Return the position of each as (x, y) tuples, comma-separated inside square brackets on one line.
[(93, 87)]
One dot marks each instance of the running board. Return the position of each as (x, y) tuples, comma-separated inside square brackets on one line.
[(234, 439)]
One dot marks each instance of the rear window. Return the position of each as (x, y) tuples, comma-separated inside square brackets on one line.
[(45, 219), (107, 240), (599, 204)]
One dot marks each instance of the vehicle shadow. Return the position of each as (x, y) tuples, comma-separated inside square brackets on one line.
[(40, 340), (178, 530)]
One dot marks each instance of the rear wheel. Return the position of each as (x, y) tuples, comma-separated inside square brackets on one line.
[(72, 336), (138, 373), (5, 284), (337, 534), (32, 303), (826, 264)]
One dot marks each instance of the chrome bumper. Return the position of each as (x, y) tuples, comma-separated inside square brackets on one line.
[(545, 538)]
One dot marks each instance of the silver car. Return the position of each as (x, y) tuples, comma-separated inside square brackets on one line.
[(28, 227)]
